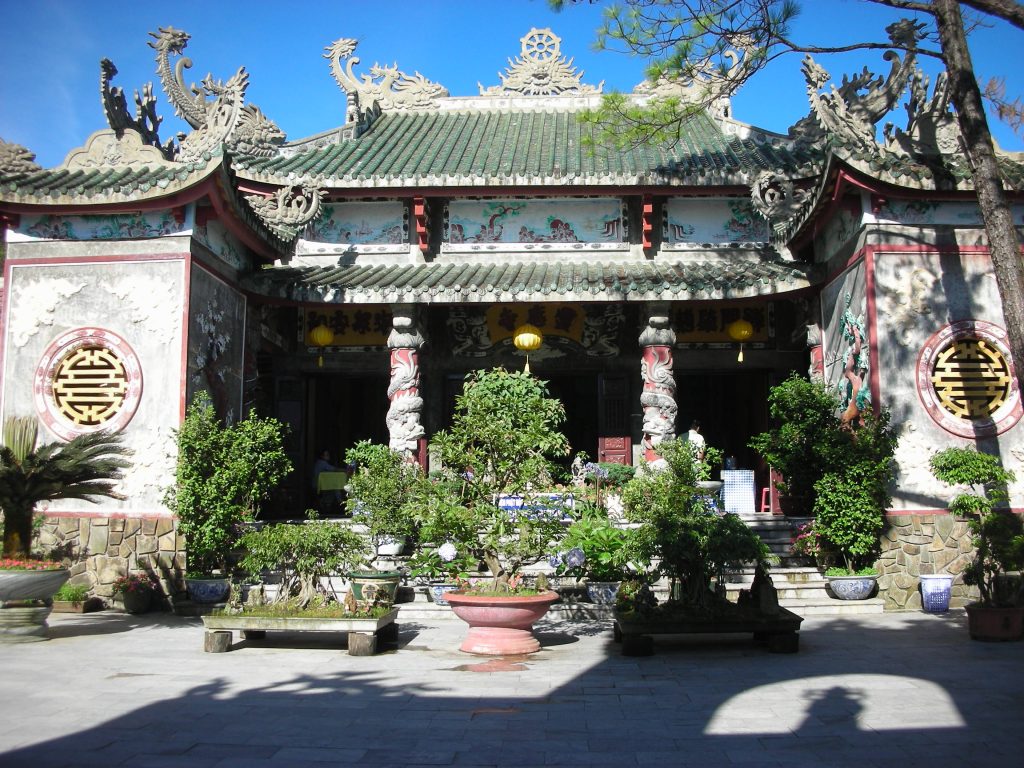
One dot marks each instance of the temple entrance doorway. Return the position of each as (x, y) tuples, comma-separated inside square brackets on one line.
[(732, 407), (328, 412)]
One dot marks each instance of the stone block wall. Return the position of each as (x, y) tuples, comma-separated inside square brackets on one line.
[(923, 544), (104, 548)]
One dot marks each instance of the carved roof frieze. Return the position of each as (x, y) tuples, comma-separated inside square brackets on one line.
[(111, 149), (541, 70), (288, 210)]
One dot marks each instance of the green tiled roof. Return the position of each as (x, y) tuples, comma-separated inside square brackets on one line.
[(99, 185), (519, 147), (533, 281)]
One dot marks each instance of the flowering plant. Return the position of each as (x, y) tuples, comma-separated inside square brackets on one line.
[(26, 564), (808, 542), (446, 562), (596, 549), (133, 582)]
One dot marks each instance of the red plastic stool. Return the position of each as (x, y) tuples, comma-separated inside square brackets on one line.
[(766, 499)]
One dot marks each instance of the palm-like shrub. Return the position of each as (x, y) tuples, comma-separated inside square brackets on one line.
[(86, 468)]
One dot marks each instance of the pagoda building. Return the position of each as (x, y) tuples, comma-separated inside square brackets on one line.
[(345, 283)]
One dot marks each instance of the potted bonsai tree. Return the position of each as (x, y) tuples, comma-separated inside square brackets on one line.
[(503, 437), (998, 538), (676, 528), (223, 474), (378, 489), (850, 503)]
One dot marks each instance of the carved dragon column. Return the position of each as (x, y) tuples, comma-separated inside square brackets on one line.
[(403, 417), (658, 398)]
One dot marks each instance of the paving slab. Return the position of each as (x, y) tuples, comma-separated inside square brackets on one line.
[(906, 689)]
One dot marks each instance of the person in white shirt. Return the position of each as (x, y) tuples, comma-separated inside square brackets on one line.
[(697, 439)]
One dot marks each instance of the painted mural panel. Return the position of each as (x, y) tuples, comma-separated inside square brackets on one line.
[(361, 226), (931, 212), (216, 336), (845, 340), (549, 223), (840, 229), (222, 243), (692, 221), (134, 309), (112, 226)]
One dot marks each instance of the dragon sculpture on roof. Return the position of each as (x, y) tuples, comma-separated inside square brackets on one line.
[(385, 88)]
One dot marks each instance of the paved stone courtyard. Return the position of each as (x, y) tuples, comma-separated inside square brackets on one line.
[(899, 689)]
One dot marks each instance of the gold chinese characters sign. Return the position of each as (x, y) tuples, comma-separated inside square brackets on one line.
[(966, 382), (88, 379)]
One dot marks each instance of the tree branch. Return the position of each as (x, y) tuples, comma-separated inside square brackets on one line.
[(1007, 10)]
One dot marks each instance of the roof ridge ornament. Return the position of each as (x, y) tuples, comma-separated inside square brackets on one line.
[(15, 158), (288, 209), (145, 122), (386, 87), (541, 70), (849, 113), (224, 118)]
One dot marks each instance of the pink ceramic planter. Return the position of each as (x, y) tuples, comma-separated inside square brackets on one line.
[(500, 625)]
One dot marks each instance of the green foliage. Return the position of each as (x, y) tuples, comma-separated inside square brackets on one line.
[(379, 489), (851, 498), (676, 527), (302, 553), (504, 434), (607, 550), (71, 593), (998, 534), (805, 443), (618, 474), (222, 476), (85, 468)]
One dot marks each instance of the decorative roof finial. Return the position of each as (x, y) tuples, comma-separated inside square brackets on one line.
[(541, 70)]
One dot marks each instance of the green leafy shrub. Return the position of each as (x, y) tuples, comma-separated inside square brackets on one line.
[(223, 474), (379, 489), (998, 534), (302, 553), (595, 549), (694, 544)]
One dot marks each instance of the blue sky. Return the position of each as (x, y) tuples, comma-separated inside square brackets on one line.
[(49, 95)]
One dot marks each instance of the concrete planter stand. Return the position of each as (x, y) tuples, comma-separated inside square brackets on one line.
[(364, 635)]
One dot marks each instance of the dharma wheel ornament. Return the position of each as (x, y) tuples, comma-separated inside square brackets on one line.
[(740, 330), (527, 338), (321, 336)]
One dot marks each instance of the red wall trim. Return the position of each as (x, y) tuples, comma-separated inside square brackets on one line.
[(185, 312), (114, 258), (114, 515)]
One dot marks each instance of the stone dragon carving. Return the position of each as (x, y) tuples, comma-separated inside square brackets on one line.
[(15, 158), (386, 87), (658, 398), (540, 70), (403, 417), (145, 121), (288, 210), (710, 82), (223, 118), (851, 111), (775, 197), (931, 126)]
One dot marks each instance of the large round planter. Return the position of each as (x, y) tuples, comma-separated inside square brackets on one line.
[(208, 591), (23, 625), (137, 601), (390, 547), (995, 624), (31, 585), (935, 591), (852, 587), (602, 592), (500, 625), (370, 588)]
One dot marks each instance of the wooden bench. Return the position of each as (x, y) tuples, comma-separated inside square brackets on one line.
[(364, 635), (780, 633)]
